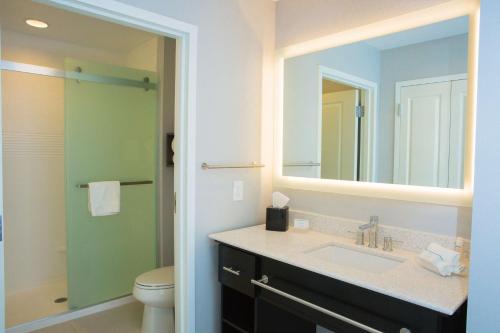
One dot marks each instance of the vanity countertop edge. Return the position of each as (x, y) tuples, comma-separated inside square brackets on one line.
[(408, 282)]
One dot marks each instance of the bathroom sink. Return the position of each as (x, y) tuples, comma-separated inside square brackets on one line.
[(360, 259)]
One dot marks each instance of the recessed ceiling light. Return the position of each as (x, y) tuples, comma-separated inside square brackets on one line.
[(37, 23)]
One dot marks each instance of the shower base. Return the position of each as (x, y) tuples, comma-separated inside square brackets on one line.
[(36, 303)]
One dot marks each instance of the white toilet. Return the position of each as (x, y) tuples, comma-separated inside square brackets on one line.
[(156, 289)]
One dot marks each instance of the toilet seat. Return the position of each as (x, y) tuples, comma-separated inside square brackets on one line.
[(160, 278)]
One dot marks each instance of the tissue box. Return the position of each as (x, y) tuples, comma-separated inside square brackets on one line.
[(277, 219)]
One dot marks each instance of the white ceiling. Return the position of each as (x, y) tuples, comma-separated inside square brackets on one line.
[(70, 27)]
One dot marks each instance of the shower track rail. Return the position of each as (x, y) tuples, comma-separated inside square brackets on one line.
[(77, 75)]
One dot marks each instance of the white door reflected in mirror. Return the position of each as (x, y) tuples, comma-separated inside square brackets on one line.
[(430, 121)]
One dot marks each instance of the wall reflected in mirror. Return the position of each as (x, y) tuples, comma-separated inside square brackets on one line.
[(391, 109)]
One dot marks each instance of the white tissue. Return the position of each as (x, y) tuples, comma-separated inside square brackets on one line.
[(280, 200)]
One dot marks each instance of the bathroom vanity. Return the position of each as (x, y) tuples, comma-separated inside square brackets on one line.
[(293, 281)]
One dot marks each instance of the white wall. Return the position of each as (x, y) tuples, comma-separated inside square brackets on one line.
[(298, 21), (35, 229), (484, 286), (47, 52), (301, 111), (233, 123), (444, 220), (144, 56), (440, 57)]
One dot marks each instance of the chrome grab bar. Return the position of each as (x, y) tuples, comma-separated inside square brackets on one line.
[(263, 284), (231, 270)]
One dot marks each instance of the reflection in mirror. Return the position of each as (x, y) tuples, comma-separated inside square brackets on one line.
[(390, 109)]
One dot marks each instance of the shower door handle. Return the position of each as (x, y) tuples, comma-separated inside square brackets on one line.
[(1, 228)]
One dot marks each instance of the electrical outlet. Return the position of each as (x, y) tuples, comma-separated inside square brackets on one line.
[(237, 190), (301, 224)]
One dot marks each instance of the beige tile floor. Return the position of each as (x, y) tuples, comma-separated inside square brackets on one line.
[(125, 319), (32, 304)]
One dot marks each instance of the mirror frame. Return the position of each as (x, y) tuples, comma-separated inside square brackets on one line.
[(434, 195)]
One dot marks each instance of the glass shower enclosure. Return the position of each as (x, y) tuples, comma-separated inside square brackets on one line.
[(111, 126), (77, 106), (109, 133)]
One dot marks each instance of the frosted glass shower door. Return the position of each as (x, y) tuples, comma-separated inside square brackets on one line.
[(110, 134)]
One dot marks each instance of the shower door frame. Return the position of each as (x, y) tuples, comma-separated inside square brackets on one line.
[(185, 115)]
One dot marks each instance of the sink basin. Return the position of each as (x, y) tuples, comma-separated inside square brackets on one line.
[(360, 259)]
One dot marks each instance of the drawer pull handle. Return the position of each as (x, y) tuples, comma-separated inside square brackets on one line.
[(263, 284), (231, 270)]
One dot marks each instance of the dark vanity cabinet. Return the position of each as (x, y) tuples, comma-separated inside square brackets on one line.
[(295, 300)]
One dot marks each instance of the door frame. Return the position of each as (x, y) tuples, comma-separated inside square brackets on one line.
[(2, 233), (185, 144), (368, 171), (397, 107)]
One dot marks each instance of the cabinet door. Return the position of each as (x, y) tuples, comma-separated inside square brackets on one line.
[(272, 319)]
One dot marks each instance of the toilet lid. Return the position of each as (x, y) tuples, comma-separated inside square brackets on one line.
[(158, 278)]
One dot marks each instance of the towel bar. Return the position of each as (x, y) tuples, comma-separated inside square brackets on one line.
[(140, 182), (206, 166), (299, 164)]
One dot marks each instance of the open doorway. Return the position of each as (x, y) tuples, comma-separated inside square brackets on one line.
[(347, 109), (81, 104)]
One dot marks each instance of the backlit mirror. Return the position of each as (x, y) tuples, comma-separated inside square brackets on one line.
[(389, 110)]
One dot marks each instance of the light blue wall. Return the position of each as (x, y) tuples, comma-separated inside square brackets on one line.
[(484, 285), (440, 57), (301, 97)]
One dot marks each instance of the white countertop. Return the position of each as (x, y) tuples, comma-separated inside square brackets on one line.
[(408, 281)]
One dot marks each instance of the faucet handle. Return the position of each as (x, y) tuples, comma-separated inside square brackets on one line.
[(388, 242), (374, 219)]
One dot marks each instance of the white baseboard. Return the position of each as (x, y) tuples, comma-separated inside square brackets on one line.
[(70, 315)]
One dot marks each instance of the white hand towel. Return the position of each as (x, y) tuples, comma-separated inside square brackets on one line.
[(448, 256), (104, 198), (433, 262)]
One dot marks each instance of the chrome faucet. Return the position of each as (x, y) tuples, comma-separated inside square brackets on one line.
[(372, 228)]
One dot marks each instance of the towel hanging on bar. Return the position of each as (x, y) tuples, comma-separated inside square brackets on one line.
[(140, 182)]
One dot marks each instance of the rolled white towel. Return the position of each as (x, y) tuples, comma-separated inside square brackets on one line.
[(433, 262), (450, 257)]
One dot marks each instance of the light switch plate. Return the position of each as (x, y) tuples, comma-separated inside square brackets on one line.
[(237, 190)]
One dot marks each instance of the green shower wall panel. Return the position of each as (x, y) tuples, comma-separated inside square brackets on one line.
[(110, 134)]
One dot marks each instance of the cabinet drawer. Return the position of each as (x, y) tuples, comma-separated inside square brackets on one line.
[(236, 269)]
